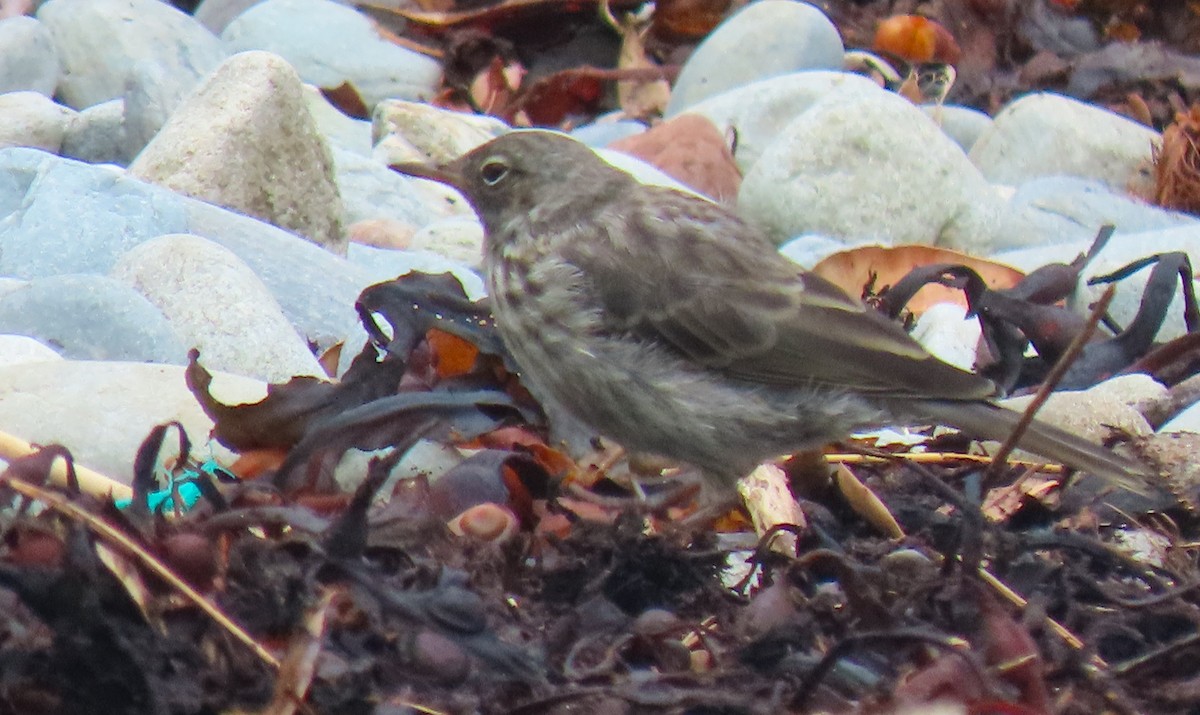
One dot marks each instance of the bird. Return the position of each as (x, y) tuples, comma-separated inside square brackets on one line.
[(672, 326)]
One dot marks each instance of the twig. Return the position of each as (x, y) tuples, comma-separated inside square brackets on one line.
[(934, 458), (1017, 600), (1178, 398), (113, 536), (1052, 379), (90, 481), (1096, 667)]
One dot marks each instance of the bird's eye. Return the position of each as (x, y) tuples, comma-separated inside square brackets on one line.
[(493, 171)]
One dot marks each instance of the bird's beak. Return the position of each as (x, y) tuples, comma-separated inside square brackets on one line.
[(449, 174)]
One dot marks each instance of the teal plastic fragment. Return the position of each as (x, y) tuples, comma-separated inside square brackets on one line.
[(183, 484)]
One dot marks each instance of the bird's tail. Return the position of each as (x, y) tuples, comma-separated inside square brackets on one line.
[(988, 421)]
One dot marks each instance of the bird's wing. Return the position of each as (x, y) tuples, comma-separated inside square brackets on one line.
[(736, 305)]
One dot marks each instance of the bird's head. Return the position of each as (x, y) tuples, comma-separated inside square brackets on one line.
[(510, 176)]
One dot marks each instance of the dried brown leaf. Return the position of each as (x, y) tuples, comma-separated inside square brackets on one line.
[(916, 39), (347, 99), (494, 88), (692, 150), (854, 268), (452, 355), (680, 20), (865, 503)]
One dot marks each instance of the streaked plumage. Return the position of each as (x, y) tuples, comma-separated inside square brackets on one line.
[(670, 325)]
